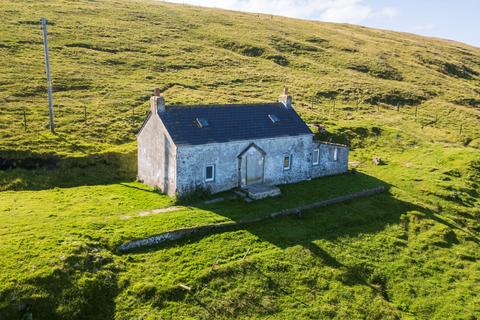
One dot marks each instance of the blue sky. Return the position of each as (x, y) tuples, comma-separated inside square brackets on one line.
[(457, 20)]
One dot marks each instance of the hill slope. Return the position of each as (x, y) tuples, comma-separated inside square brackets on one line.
[(410, 253), (107, 56)]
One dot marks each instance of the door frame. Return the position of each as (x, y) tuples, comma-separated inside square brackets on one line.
[(240, 158)]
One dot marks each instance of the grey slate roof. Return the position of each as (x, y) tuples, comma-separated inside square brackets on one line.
[(231, 122)]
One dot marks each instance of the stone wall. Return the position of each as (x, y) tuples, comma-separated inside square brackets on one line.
[(333, 159), (156, 156), (191, 162)]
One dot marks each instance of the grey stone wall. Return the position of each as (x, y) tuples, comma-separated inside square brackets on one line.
[(192, 160), (156, 156), (327, 164)]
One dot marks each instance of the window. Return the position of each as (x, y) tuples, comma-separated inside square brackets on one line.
[(287, 162), (274, 118), (201, 122), (335, 154), (316, 156), (210, 173)]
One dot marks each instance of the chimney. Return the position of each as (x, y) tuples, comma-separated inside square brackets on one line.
[(157, 104), (285, 98)]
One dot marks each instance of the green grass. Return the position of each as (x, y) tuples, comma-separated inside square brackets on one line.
[(411, 253), (393, 251), (107, 56)]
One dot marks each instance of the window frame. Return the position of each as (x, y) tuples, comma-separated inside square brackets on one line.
[(317, 162), (207, 179), (289, 162)]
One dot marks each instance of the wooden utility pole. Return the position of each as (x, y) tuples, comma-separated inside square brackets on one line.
[(416, 111), (47, 71), (24, 119)]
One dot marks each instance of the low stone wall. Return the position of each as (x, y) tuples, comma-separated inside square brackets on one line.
[(212, 228)]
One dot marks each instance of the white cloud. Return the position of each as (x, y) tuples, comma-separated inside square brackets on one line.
[(352, 11)]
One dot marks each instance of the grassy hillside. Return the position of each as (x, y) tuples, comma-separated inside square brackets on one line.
[(106, 56), (411, 253)]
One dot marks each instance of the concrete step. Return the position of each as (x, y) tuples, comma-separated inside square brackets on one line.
[(261, 191)]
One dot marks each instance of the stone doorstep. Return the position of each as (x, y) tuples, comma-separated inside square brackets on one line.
[(262, 191)]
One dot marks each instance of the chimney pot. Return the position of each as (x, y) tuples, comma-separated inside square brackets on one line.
[(285, 98), (156, 92)]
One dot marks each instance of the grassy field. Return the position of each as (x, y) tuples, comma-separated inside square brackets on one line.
[(70, 199), (107, 56), (380, 257)]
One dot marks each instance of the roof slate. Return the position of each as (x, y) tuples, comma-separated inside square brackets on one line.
[(231, 122)]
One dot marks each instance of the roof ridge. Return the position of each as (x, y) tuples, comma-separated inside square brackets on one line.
[(219, 105)]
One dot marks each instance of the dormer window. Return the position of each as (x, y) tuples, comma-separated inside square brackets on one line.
[(201, 122), (274, 118)]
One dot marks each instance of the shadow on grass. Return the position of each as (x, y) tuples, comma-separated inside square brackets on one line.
[(42, 179), (26, 171), (343, 220), (348, 218), (84, 288)]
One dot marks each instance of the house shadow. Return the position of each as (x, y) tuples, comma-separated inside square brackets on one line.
[(311, 231), (31, 171), (350, 218)]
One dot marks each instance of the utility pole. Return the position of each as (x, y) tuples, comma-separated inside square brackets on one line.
[(24, 119), (47, 71)]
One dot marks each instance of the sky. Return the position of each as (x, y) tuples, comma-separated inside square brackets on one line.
[(449, 19)]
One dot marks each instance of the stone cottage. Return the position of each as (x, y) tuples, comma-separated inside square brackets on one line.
[(220, 147)]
